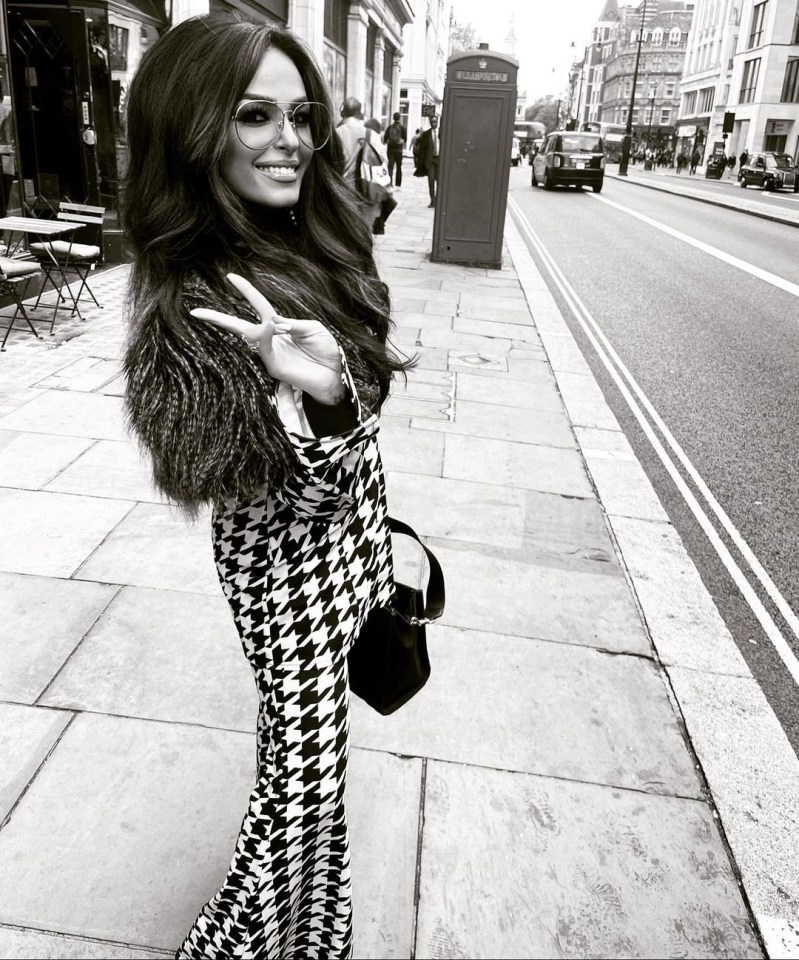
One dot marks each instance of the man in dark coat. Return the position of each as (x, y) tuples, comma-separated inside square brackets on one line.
[(427, 158)]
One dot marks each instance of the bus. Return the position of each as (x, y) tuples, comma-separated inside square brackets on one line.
[(612, 134), (526, 131)]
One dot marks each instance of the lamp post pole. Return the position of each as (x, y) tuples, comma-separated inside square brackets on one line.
[(649, 128), (624, 159)]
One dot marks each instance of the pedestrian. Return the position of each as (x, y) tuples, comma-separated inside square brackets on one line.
[(731, 164), (415, 145), (743, 159), (374, 139), (256, 367), (427, 158), (394, 138), (680, 163), (696, 158), (352, 132)]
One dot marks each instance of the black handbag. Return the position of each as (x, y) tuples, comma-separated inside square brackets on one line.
[(388, 661)]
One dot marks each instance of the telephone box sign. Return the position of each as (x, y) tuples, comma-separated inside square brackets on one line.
[(479, 76)]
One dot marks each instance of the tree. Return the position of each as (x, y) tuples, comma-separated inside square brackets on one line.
[(462, 36), (544, 110)]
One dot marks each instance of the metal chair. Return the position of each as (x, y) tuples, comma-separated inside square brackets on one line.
[(66, 256), (12, 273)]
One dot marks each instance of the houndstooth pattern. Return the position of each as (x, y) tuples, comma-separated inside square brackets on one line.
[(301, 568)]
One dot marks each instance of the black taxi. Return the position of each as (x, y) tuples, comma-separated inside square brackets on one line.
[(570, 158), (771, 171)]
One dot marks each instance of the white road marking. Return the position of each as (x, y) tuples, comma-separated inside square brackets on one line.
[(765, 275), (628, 386)]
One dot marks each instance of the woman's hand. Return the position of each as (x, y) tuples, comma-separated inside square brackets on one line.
[(300, 352)]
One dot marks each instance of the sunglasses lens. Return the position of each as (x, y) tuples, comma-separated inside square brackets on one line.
[(312, 123)]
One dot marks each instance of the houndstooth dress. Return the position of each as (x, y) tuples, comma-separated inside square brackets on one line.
[(301, 567)]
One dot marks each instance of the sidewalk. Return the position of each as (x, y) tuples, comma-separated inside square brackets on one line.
[(751, 201), (540, 798)]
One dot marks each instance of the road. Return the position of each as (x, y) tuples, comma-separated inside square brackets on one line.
[(701, 305)]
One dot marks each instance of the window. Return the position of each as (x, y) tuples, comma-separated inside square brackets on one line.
[(118, 46), (706, 100), (749, 82), (665, 115), (635, 114), (689, 108), (371, 43), (756, 33), (670, 88), (795, 35), (675, 36), (336, 12), (657, 38), (790, 86)]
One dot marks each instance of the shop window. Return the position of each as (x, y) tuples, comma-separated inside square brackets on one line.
[(790, 85), (776, 143)]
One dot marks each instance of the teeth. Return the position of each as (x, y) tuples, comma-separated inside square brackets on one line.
[(280, 171)]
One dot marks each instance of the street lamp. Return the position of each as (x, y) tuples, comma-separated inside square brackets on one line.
[(651, 113), (624, 159)]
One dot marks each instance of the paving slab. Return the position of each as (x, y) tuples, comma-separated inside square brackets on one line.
[(72, 414), (458, 509), (43, 620), (501, 330), (585, 401), (111, 468), (562, 352), (51, 534), (30, 460), (684, 623), (522, 465), (27, 734), (505, 423), (753, 775), (410, 451), (164, 800), (537, 393), (541, 602), (623, 486), (383, 810), (162, 655), (35, 945), (521, 866), (567, 526), (156, 546), (575, 713)]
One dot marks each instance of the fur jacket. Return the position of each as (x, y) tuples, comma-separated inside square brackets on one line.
[(204, 408)]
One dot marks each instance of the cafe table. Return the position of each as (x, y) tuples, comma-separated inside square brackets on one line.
[(41, 231)]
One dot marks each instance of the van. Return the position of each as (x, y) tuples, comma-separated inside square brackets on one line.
[(570, 158)]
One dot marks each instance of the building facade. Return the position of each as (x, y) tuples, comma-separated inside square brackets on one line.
[(742, 62), (663, 36), (66, 65), (426, 47)]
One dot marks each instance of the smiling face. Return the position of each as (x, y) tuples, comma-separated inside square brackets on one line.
[(272, 175)]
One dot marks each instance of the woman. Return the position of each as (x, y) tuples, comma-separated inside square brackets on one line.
[(256, 366)]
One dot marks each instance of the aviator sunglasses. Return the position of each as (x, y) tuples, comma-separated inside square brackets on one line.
[(259, 123)]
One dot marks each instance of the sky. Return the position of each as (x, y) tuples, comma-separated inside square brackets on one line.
[(544, 31)]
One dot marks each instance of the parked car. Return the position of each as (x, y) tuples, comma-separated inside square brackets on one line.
[(570, 158), (515, 155), (771, 171)]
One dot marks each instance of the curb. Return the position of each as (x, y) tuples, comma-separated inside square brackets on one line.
[(710, 200)]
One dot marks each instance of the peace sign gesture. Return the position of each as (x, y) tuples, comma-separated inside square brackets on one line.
[(302, 353)]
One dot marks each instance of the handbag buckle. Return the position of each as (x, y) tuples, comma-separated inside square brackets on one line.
[(411, 621)]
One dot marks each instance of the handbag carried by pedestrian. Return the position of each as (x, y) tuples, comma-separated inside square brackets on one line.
[(371, 176), (389, 662)]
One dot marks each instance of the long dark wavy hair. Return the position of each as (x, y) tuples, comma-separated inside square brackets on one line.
[(182, 221)]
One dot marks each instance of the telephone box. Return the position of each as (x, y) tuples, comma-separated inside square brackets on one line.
[(474, 164)]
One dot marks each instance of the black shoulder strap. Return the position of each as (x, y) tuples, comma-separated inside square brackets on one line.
[(435, 599)]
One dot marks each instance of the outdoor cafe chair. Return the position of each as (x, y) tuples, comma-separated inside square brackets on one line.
[(13, 273), (66, 256)]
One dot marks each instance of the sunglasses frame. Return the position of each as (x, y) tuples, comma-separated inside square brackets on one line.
[(286, 114)]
